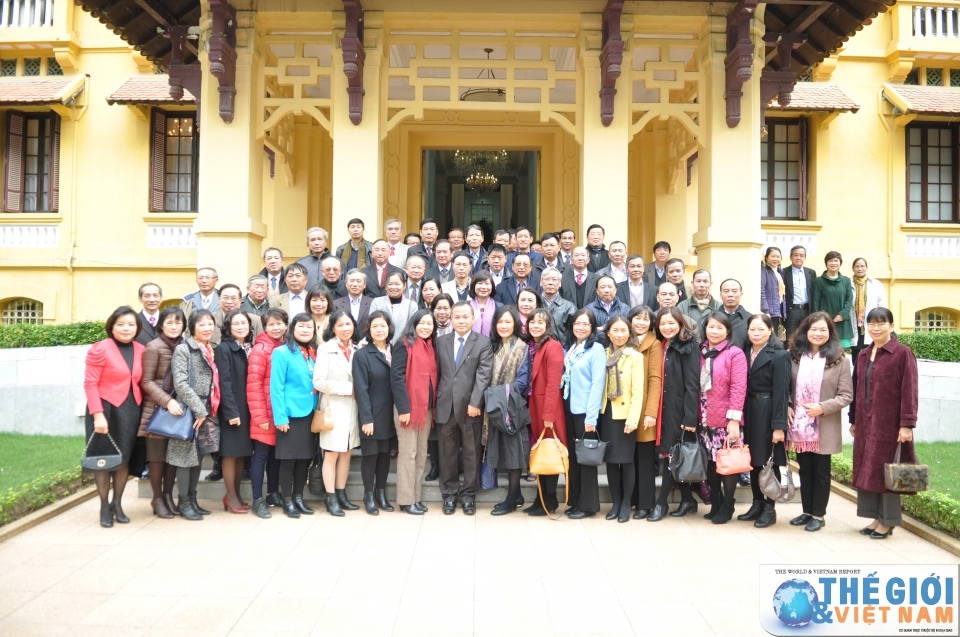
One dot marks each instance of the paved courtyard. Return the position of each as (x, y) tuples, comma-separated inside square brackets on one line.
[(398, 574)]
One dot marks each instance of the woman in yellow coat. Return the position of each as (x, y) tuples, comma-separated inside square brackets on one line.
[(620, 414)]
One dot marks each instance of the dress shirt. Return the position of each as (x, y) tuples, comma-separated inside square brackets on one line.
[(618, 275), (458, 344), (152, 319), (548, 303), (580, 276), (800, 293), (205, 301), (355, 307), (474, 257), (520, 286), (555, 265), (380, 270), (295, 304), (274, 282), (606, 306), (413, 292), (497, 278), (565, 256)]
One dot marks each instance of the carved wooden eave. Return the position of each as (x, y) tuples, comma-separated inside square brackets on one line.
[(739, 60), (353, 57), (183, 76), (611, 58), (222, 49), (780, 83)]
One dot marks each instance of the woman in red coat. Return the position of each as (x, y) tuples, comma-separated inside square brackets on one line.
[(112, 385), (262, 430), (883, 414), (546, 402)]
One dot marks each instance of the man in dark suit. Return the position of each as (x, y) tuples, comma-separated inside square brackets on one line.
[(356, 303), (524, 238), (274, 272), (798, 288), (474, 248), (635, 291), (150, 296), (656, 271), (599, 258), (416, 268), (465, 364), (579, 285), (377, 271), (332, 277), (428, 239), (550, 247), (496, 264), (442, 269), (508, 290)]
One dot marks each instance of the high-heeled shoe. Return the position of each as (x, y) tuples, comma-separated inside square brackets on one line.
[(369, 503), (683, 509), (624, 514), (187, 511), (345, 504), (227, 507), (196, 505), (118, 513), (504, 508), (290, 509), (171, 506), (160, 509), (333, 506), (301, 507), (106, 516), (380, 495), (614, 512), (874, 535), (659, 510)]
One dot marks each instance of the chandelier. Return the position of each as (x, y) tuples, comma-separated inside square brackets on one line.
[(481, 168), (484, 94), (482, 183)]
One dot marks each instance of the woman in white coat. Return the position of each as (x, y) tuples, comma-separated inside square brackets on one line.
[(868, 294), (333, 378), (395, 304)]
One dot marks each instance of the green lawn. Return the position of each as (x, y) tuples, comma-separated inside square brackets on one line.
[(23, 458), (944, 461)]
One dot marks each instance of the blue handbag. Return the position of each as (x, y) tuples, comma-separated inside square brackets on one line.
[(488, 475), (163, 423)]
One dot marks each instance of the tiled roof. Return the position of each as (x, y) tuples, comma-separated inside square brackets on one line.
[(924, 100), (146, 89), (39, 90), (817, 96)]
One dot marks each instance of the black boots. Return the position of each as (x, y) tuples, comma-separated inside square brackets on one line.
[(381, 497), (369, 504), (301, 507), (259, 509), (715, 503), (200, 510), (187, 509), (753, 512), (290, 508), (434, 473), (333, 505), (659, 510), (345, 504), (723, 515), (683, 509), (767, 518), (273, 500)]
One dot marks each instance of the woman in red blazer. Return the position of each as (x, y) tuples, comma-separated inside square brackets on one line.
[(112, 384), (546, 402)]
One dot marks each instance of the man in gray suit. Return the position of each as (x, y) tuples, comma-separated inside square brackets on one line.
[(206, 296), (465, 363)]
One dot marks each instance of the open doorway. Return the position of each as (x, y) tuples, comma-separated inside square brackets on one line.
[(493, 189)]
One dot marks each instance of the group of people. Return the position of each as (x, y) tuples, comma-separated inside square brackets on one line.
[(466, 354)]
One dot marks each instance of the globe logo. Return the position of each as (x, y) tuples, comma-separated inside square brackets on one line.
[(794, 601)]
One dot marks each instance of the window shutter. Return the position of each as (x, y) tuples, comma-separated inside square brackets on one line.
[(803, 169), (13, 162), (158, 129), (54, 161)]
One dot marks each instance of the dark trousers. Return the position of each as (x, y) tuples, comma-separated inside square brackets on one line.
[(455, 438), (584, 485), (884, 507), (548, 486), (264, 456), (814, 482), (858, 346), (795, 315), (374, 470), (645, 462), (755, 484), (293, 476)]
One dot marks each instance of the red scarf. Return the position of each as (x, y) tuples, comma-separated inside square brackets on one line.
[(207, 352), (421, 377)]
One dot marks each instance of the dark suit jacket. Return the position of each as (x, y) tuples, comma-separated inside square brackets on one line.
[(535, 258), (148, 333), (649, 294), (373, 288), (421, 250), (568, 287), (650, 274), (281, 282), (231, 363), (338, 291), (462, 385), (479, 264), (598, 259), (343, 303), (433, 272), (371, 384), (811, 277), (506, 293)]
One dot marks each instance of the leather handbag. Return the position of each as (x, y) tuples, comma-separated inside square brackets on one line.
[(315, 482), (163, 423), (905, 477), (101, 463), (320, 424), (208, 437), (590, 452), (550, 458), (688, 460), (773, 487), (733, 460)]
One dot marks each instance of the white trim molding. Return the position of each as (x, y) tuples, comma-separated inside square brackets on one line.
[(171, 236), (933, 247), (23, 236)]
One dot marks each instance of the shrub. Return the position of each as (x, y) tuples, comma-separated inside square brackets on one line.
[(38, 493), (934, 346), (32, 335)]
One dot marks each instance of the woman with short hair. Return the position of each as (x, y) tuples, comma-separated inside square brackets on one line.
[(833, 294), (319, 304), (482, 302), (231, 356), (772, 290), (394, 304), (868, 294)]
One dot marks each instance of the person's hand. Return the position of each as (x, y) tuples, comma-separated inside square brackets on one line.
[(628, 429), (283, 428), (777, 436), (404, 418), (472, 411), (838, 319), (548, 424), (906, 435), (649, 422), (733, 431), (688, 428), (265, 426), (789, 416), (853, 429), (174, 408), (813, 409), (234, 421), (100, 423), (589, 428), (198, 422), (367, 429)]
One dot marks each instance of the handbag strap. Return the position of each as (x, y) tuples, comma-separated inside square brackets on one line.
[(566, 486), (89, 440), (896, 455)]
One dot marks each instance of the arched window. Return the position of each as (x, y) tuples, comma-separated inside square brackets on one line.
[(23, 311), (935, 319)]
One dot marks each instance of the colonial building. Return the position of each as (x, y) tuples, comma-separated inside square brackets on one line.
[(143, 138)]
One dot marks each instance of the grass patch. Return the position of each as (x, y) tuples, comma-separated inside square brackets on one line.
[(25, 458), (943, 459)]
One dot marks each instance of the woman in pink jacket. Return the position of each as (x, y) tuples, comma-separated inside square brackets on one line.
[(723, 390)]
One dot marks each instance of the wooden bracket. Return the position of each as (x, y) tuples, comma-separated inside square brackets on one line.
[(739, 60), (611, 58), (780, 83), (182, 76), (353, 58), (222, 47)]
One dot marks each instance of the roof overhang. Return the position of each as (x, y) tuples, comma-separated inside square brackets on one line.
[(149, 90), (59, 90), (923, 100), (817, 97)]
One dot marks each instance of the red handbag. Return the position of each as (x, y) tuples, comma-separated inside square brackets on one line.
[(732, 460)]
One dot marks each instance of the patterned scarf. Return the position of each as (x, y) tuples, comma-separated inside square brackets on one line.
[(575, 354), (421, 380), (483, 317), (207, 353), (859, 297), (804, 433), (703, 304), (706, 370), (614, 388), (507, 362), (246, 347)]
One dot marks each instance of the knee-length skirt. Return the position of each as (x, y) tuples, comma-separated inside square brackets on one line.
[(298, 442), (123, 422)]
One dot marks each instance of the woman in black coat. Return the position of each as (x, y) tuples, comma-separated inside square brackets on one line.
[(681, 403), (371, 384), (765, 411), (235, 444)]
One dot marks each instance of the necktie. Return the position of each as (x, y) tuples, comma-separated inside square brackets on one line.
[(273, 282), (413, 294), (382, 272), (429, 251), (456, 359), (579, 279), (205, 301), (153, 321), (443, 272), (566, 258), (393, 251)]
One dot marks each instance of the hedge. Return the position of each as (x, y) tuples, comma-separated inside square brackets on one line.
[(33, 335), (934, 346), (38, 493)]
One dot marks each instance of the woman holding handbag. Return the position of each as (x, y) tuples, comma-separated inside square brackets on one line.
[(820, 387), (197, 383), (884, 409), (111, 381), (333, 378), (620, 415), (765, 412), (157, 386), (645, 457), (413, 377), (294, 400), (508, 452), (262, 430), (582, 384), (371, 384), (546, 399), (723, 390), (231, 357), (680, 403)]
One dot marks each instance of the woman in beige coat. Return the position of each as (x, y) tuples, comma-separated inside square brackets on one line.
[(820, 387), (648, 433), (333, 378)]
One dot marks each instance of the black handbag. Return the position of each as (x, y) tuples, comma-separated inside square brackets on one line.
[(590, 452), (688, 460), (163, 423), (101, 463)]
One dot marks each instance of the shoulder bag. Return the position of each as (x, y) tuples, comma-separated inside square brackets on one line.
[(905, 477), (688, 460), (550, 458), (320, 423), (101, 463), (775, 488), (590, 452), (163, 423), (733, 459)]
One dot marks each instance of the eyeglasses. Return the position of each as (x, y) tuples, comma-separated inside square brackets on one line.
[(206, 278)]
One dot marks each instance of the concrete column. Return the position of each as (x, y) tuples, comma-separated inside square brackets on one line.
[(729, 239), (229, 226), (357, 151)]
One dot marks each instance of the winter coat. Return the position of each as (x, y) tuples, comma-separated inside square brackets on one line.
[(232, 363), (333, 378), (768, 390), (546, 401), (836, 392), (691, 310), (588, 382), (835, 297), (876, 297), (878, 411), (291, 385), (729, 391), (770, 302), (193, 390), (371, 384), (258, 389), (681, 391), (652, 352), (156, 361)]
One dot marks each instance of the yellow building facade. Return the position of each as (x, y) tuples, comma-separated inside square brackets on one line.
[(869, 166)]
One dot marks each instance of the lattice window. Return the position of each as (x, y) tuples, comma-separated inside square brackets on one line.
[(8, 68), (954, 77), (931, 173), (782, 169), (665, 81), (23, 311), (913, 78), (53, 67), (31, 66), (936, 319), (934, 77)]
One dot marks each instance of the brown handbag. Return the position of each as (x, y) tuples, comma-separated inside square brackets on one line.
[(550, 457), (320, 424), (905, 477)]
